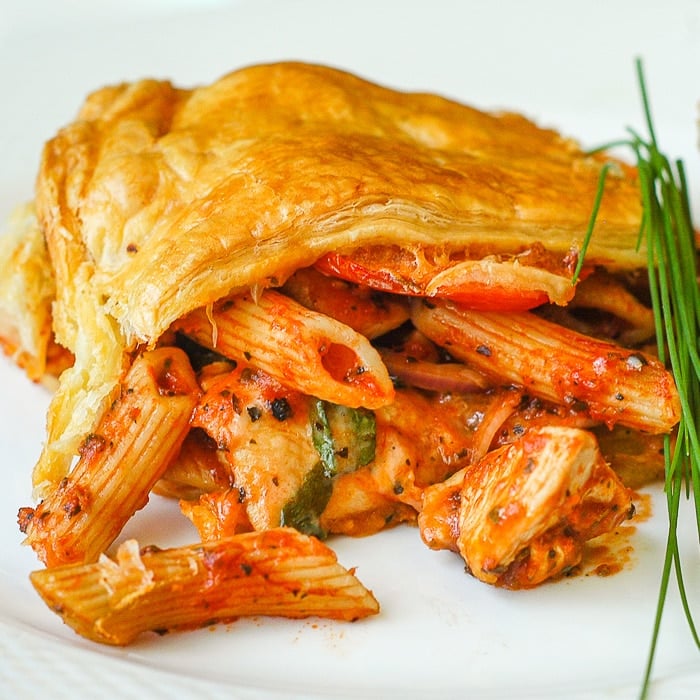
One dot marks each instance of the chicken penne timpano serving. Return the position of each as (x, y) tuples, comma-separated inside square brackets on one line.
[(304, 306)]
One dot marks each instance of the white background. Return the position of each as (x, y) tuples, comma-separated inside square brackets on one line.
[(566, 64)]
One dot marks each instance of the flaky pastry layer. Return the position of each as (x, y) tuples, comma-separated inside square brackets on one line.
[(157, 200), (174, 198)]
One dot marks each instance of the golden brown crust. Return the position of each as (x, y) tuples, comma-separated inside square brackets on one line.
[(156, 201), (174, 198)]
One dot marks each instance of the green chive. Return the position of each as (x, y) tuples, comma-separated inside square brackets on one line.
[(672, 260)]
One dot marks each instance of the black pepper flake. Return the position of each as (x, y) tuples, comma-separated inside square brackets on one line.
[(25, 516), (92, 445), (281, 409), (378, 299), (132, 248), (577, 405), (619, 396), (247, 569), (484, 350), (255, 413), (72, 507)]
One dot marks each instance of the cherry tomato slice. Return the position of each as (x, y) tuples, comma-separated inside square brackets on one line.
[(474, 294)]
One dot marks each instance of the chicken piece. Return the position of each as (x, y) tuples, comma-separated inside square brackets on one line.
[(218, 514), (199, 468), (522, 514), (454, 430), (264, 432)]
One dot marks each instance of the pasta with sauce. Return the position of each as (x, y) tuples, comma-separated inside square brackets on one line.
[(350, 309)]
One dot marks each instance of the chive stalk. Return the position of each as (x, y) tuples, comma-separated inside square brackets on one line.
[(672, 266)]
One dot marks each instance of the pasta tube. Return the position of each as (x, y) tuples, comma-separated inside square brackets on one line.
[(367, 311), (612, 384), (277, 572), (302, 349), (119, 463)]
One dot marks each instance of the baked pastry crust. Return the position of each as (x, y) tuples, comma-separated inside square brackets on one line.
[(175, 198), (158, 200)]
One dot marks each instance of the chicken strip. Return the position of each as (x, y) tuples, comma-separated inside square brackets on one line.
[(523, 513)]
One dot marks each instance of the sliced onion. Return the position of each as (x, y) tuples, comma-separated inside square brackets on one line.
[(433, 376)]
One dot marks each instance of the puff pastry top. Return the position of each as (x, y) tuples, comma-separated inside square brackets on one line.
[(158, 200)]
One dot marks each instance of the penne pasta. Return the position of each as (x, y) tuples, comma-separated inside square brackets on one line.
[(602, 292), (278, 572), (606, 306), (119, 462), (370, 313), (304, 350), (608, 382)]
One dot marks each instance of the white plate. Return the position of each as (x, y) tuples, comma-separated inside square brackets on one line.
[(440, 633)]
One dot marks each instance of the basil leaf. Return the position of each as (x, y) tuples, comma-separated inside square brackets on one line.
[(304, 510), (322, 437), (354, 433)]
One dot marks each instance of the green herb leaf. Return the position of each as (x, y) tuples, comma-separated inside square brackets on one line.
[(672, 266), (672, 259), (303, 512), (322, 436), (354, 435), (338, 433)]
